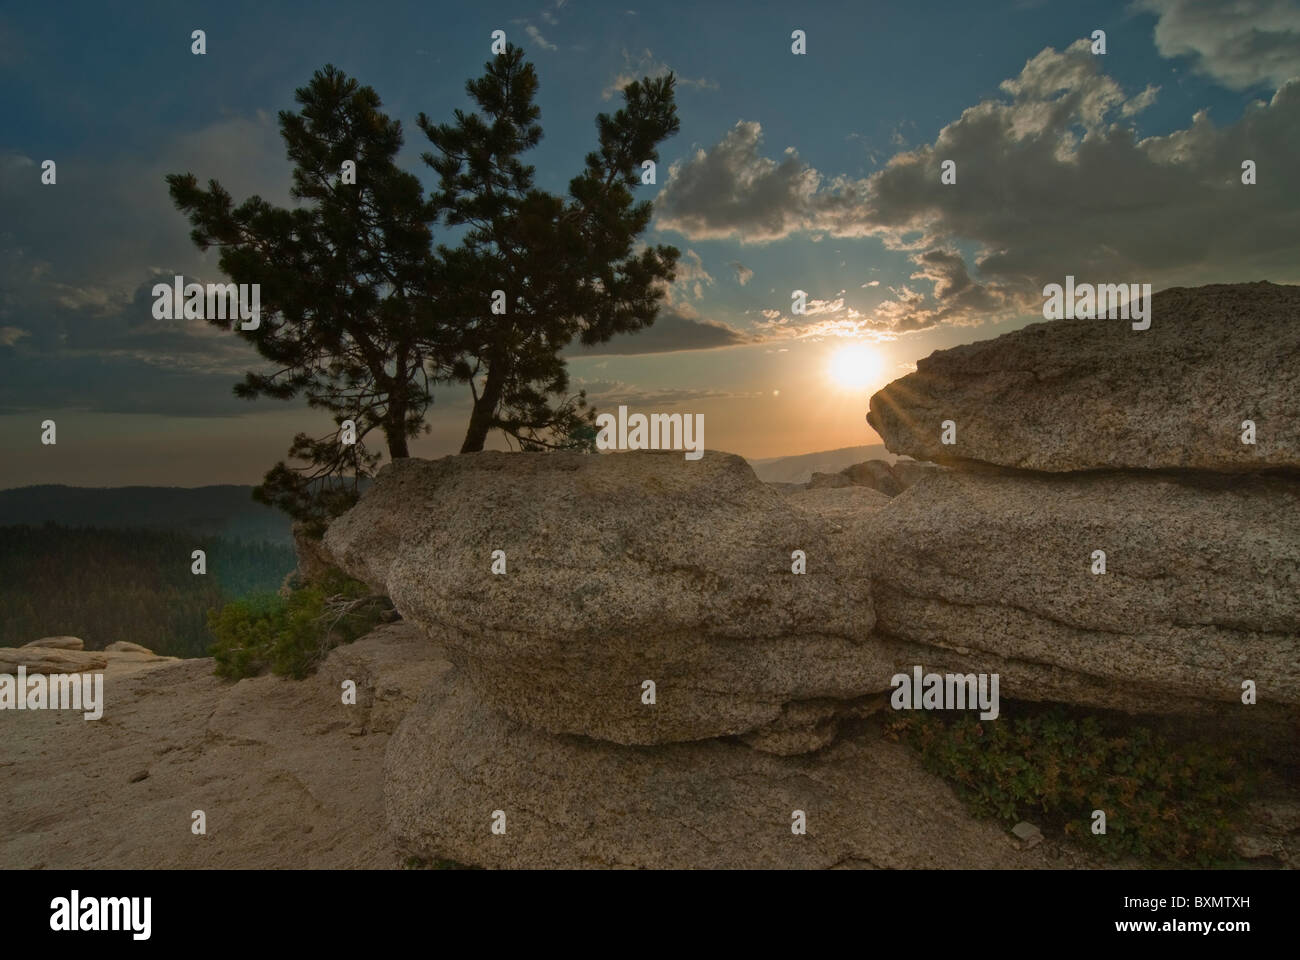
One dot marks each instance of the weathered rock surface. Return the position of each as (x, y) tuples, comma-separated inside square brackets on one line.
[(908, 472), (58, 643), (1087, 394), (828, 480), (50, 660), (876, 474), (620, 569), (843, 504), (780, 487), (289, 777), (313, 560), (125, 646), (1201, 589), (847, 512), (573, 802)]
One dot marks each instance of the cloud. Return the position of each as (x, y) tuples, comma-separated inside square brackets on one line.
[(673, 330), (732, 190), (108, 215), (536, 36), (645, 65), (1240, 43), (743, 273), (78, 286), (65, 347), (607, 393), (1052, 179), (691, 279)]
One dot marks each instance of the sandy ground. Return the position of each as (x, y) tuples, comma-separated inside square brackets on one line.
[(286, 774)]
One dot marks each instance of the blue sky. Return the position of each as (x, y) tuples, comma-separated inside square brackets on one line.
[(814, 172)]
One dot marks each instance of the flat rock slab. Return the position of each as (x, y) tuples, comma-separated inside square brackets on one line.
[(1201, 589), (572, 802), (1089, 394), (125, 646), (288, 776), (50, 660), (620, 569), (58, 643)]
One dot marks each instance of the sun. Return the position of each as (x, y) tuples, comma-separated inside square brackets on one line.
[(855, 366)]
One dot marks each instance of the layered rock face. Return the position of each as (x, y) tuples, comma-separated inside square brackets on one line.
[(619, 569), (628, 568), (1161, 587), (1092, 394), (1201, 588), (574, 802), (1164, 588)]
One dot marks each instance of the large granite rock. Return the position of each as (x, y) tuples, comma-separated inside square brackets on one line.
[(1084, 394), (572, 802), (621, 568), (313, 560), (1201, 590), (908, 472)]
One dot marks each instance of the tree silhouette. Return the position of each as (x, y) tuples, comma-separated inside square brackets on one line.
[(566, 265), (362, 316), (348, 289)]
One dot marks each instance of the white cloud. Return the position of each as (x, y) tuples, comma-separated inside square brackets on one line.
[(1052, 179), (645, 65), (537, 38), (1239, 43)]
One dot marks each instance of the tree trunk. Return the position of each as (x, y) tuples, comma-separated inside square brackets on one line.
[(395, 433), (480, 420), (397, 448)]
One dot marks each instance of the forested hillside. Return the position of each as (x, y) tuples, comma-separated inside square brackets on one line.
[(216, 511), (136, 585)]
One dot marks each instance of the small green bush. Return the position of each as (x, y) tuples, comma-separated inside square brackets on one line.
[(291, 636), (1164, 801)]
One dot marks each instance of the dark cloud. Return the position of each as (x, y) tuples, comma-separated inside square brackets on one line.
[(673, 330), (78, 260)]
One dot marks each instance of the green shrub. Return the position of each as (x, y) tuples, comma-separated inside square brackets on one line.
[(291, 636), (1165, 801)]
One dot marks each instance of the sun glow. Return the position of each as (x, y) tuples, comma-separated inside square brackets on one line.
[(855, 367)]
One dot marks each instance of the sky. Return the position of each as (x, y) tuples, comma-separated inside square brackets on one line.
[(818, 172)]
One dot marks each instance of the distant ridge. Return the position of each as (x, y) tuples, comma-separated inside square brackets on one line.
[(227, 511), (801, 468)]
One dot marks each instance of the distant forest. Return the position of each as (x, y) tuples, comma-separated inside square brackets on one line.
[(104, 585), (217, 511)]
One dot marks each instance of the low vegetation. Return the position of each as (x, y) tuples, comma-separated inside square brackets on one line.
[(1165, 801), (291, 635)]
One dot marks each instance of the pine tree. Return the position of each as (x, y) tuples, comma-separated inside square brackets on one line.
[(348, 288), (567, 265)]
